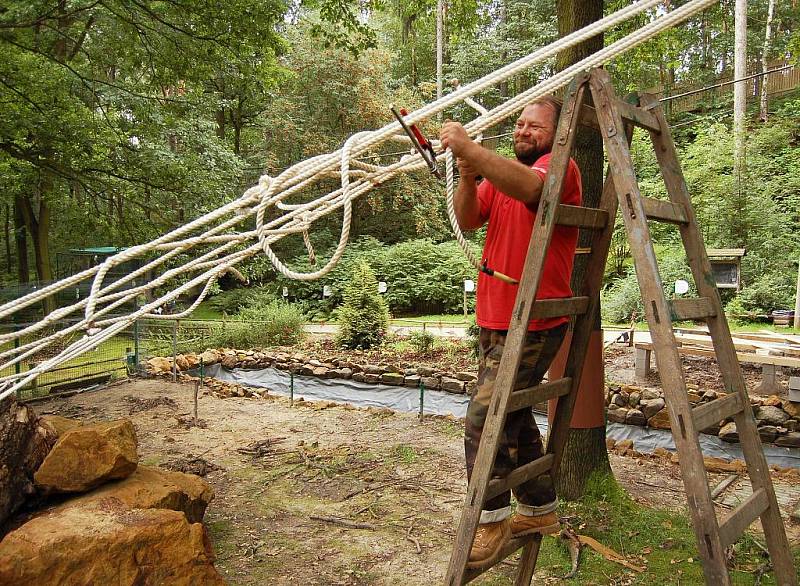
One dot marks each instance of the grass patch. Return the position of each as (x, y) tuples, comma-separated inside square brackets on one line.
[(405, 453), (661, 541)]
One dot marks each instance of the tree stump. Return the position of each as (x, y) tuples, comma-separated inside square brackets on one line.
[(23, 446)]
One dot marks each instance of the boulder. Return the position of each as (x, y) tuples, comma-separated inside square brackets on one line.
[(359, 377), (466, 376), (210, 357), (790, 440), (373, 369), (87, 456), (153, 488), (768, 433), (159, 364), (635, 417), (771, 415), (23, 446), (425, 371), (652, 406), (58, 425), (792, 409), (633, 399), (430, 382), (392, 378), (617, 415), (372, 379), (650, 394), (728, 433), (412, 380), (182, 363), (229, 361), (110, 544)]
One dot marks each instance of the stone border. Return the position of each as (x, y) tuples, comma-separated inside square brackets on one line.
[(778, 420)]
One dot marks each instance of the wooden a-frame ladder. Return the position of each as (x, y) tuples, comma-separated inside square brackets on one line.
[(615, 120)]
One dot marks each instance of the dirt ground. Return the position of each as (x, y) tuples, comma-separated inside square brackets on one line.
[(318, 493)]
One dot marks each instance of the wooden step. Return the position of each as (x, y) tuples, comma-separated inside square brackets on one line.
[(510, 547), (713, 412), (518, 476), (581, 217), (533, 395), (694, 309), (739, 519), (664, 211), (547, 308)]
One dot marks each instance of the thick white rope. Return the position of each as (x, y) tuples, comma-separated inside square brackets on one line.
[(356, 178)]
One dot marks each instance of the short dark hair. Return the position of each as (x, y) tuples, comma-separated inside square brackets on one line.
[(551, 101)]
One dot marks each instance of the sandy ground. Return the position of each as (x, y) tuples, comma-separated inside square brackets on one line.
[(289, 479)]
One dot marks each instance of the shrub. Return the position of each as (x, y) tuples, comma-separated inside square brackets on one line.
[(422, 341), (275, 324), (770, 292), (233, 301), (473, 337), (364, 317)]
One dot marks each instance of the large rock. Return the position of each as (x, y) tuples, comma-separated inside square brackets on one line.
[(23, 446), (58, 425), (210, 357), (392, 378), (110, 544), (158, 364), (87, 456), (154, 488), (790, 440), (729, 433), (771, 415), (635, 417), (652, 406), (452, 385), (660, 420)]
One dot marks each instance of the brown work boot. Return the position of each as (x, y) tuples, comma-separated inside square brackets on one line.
[(489, 540), (528, 525)]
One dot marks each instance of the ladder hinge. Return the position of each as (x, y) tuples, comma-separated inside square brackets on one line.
[(655, 312)]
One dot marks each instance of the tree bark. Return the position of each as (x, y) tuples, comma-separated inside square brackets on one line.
[(764, 102), (39, 228), (585, 453), (739, 98), (9, 262), (21, 238)]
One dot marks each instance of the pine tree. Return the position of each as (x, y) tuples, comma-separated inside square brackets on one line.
[(364, 316)]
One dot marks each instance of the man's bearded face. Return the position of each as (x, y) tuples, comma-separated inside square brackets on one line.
[(534, 132)]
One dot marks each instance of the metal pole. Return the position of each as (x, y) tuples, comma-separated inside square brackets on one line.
[(136, 345), (175, 350), (421, 399), (196, 391), (291, 388), (202, 370)]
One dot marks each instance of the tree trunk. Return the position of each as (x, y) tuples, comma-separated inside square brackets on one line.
[(9, 262), (585, 453), (739, 129), (764, 103), (23, 446), (39, 229), (21, 238)]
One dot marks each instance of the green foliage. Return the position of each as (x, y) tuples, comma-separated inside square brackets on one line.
[(235, 300), (473, 337), (364, 318), (422, 341), (275, 324)]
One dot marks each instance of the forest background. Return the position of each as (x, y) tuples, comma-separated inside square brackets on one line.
[(123, 119)]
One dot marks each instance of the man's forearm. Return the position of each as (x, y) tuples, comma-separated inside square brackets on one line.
[(509, 176), (466, 204)]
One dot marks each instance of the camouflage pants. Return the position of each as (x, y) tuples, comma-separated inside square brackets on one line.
[(520, 441)]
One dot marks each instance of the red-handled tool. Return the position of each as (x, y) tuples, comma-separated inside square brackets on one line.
[(422, 144)]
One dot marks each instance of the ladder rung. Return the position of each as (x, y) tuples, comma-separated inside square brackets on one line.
[(639, 116), (691, 309), (666, 211), (519, 475), (739, 519), (532, 395), (547, 308), (581, 217), (713, 412)]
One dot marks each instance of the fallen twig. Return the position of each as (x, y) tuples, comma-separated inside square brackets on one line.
[(412, 539), (722, 486), (343, 522), (608, 553), (574, 545), (351, 494)]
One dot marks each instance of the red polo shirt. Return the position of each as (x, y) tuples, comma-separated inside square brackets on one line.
[(507, 237)]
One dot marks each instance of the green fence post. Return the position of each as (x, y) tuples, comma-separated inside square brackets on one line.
[(174, 350), (291, 388), (421, 398), (136, 345), (18, 365)]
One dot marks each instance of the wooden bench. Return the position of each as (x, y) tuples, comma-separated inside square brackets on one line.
[(770, 365)]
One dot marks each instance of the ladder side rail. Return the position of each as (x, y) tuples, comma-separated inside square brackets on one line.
[(758, 470), (658, 316), (517, 332)]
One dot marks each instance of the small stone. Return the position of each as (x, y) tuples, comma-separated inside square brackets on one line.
[(412, 380), (650, 394), (452, 385), (728, 433), (466, 376), (430, 382), (425, 371), (359, 377), (660, 420), (371, 378), (768, 433), (373, 369), (619, 399), (617, 415), (633, 399), (635, 417)]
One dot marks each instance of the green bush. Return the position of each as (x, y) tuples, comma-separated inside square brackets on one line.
[(422, 341), (473, 337), (233, 301), (364, 317), (770, 292), (274, 324)]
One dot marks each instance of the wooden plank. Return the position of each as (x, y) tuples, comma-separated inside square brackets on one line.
[(544, 392), (734, 524), (638, 116), (741, 356), (519, 475), (664, 211), (510, 547), (711, 413), (547, 308), (581, 217), (692, 309)]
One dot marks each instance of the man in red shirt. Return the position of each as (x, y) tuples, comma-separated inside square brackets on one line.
[(508, 199)]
